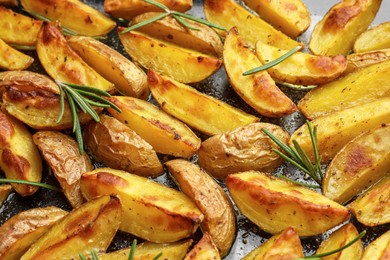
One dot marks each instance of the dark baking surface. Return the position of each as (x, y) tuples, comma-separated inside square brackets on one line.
[(248, 236)]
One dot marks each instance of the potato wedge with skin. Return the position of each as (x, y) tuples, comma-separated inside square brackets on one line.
[(9, 2), (200, 111), (372, 207), (188, 66), (12, 59), (63, 64), (127, 9), (230, 14), (19, 232), (378, 249), (204, 249), (219, 219), (204, 39), (258, 90), (62, 155), (285, 245), (128, 78), (166, 134), (340, 238), (5, 190), (19, 157), (376, 38), (356, 61), (89, 227), (151, 210), (119, 147), (337, 31), (73, 15), (243, 149), (359, 164), (274, 204), (338, 128), (301, 68)]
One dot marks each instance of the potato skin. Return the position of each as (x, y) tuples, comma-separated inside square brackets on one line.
[(245, 148), (204, 249), (119, 147), (5, 190)]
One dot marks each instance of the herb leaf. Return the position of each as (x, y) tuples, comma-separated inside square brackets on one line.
[(132, 249), (32, 183)]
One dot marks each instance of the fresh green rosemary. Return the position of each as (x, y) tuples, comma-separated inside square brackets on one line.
[(132, 249), (31, 183)]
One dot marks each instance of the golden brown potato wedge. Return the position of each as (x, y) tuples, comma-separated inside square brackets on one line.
[(204, 249), (372, 207), (301, 68), (62, 155), (89, 227), (230, 14), (219, 218), (275, 204), (355, 61), (357, 88), (9, 2), (11, 59), (19, 232), (376, 38), (203, 39), (358, 165), (63, 64), (119, 147), (74, 15), (337, 31), (4, 192), (291, 17), (379, 249), (243, 149), (200, 111), (128, 78), (127, 9), (166, 134), (19, 157), (338, 128), (285, 245), (151, 210), (258, 90), (188, 66)]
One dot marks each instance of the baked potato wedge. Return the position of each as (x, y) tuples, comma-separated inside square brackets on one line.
[(19, 232), (274, 204), (301, 68), (63, 157), (166, 134), (89, 227), (204, 249), (243, 149), (74, 15), (359, 164), (151, 210), (117, 146), (337, 31), (200, 111), (19, 157), (63, 64), (12, 59), (128, 78), (5, 190), (285, 245), (376, 38), (372, 207), (127, 9), (356, 61), (188, 66), (9, 2), (378, 249), (257, 90), (338, 128), (219, 219)]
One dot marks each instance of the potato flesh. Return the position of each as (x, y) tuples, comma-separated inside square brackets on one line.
[(379, 248), (355, 61), (5, 190), (204, 249), (11, 59), (376, 38)]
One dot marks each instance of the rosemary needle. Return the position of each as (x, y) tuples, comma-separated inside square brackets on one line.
[(132, 249), (31, 183)]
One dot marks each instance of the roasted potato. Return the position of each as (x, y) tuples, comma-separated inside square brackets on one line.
[(188, 66), (274, 204), (200, 111), (9, 2), (204, 249), (374, 39), (337, 31), (243, 149), (358, 165), (285, 245), (151, 210), (128, 78), (19, 232), (379, 249), (166, 134), (219, 219), (119, 147), (4, 192), (258, 90), (62, 155), (89, 227), (11, 59), (355, 61)]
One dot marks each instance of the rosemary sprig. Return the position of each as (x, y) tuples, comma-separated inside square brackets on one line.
[(23, 47), (273, 63), (44, 18), (132, 249), (31, 183)]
